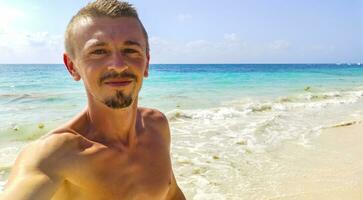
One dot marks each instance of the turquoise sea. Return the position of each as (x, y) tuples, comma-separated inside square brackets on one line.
[(221, 115)]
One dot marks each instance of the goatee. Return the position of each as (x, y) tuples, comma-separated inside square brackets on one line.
[(119, 101)]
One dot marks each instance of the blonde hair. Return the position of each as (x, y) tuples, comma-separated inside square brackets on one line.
[(102, 8)]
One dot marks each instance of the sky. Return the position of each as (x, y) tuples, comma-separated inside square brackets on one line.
[(201, 31)]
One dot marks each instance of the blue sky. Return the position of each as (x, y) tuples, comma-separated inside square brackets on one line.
[(201, 31)]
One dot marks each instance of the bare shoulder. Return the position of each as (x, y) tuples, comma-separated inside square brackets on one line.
[(49, 143), (154, 117), (38, 168), (152, 114), (155, 120), (63, 140), (47, 153)]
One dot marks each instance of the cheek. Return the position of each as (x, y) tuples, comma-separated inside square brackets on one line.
[(91, 77), (141, 70), (139, 63)]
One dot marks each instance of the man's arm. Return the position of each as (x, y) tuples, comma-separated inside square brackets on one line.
[(36, 172), (30, 186), (27, 181), (161, 122), (175, 192)]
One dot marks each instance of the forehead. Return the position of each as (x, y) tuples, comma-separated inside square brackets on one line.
[(108, 30)]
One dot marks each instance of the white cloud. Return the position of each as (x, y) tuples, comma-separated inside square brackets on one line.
[(231, 37), (184, 17), (279, 45), (196, 51), (27, 47), (230, 48), (157, 41), (198, 45), (159, 45), (37, 39), (19, 46)]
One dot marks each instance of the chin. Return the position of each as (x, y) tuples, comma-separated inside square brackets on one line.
[(119, 100)]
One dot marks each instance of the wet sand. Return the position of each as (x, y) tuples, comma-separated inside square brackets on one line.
[(330, 168)]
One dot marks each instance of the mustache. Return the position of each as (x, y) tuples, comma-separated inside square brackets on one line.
[(112, 74)]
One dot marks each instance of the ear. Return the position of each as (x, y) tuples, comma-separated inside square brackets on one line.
[(71, 67), (146, 72)]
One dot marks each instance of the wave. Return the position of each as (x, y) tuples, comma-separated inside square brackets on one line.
[(260, 125), (261, 108), (20, 98), (243, 107), (214, 113), (314, 97), (252, 122)]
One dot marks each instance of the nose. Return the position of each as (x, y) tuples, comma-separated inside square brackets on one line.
[(117, 63)]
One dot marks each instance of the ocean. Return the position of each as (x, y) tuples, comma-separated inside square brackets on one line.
[(226, 120)]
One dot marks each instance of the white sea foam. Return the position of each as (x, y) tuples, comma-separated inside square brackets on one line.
[(267, 123), (8, 154), (233, 141), (2, 184)]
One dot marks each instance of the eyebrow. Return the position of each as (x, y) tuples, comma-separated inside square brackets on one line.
[(128, 42), (97, 44)]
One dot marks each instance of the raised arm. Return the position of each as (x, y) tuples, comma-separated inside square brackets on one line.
[(30, 185), (27, 180), (36, 174)]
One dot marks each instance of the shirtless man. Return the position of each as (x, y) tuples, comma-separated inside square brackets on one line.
[(113, 150)]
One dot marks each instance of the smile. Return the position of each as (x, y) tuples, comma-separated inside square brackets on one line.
[(116, 83)]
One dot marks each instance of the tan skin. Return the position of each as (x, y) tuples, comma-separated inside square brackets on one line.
[(103, 153)]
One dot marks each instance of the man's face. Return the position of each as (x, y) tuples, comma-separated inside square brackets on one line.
[(110, 57)]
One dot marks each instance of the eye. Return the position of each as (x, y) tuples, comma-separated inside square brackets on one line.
[(99, 51), (130, 51)]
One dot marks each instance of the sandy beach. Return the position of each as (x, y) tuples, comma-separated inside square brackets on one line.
[(331, 168)]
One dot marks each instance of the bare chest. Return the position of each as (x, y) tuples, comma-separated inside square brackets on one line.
[(142, 173)]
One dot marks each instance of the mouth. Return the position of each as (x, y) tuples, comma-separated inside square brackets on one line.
[(118, 83)]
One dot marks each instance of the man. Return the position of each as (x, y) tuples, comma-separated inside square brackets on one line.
[(113, 149)]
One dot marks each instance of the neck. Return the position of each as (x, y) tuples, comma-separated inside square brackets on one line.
[(111, 126)]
